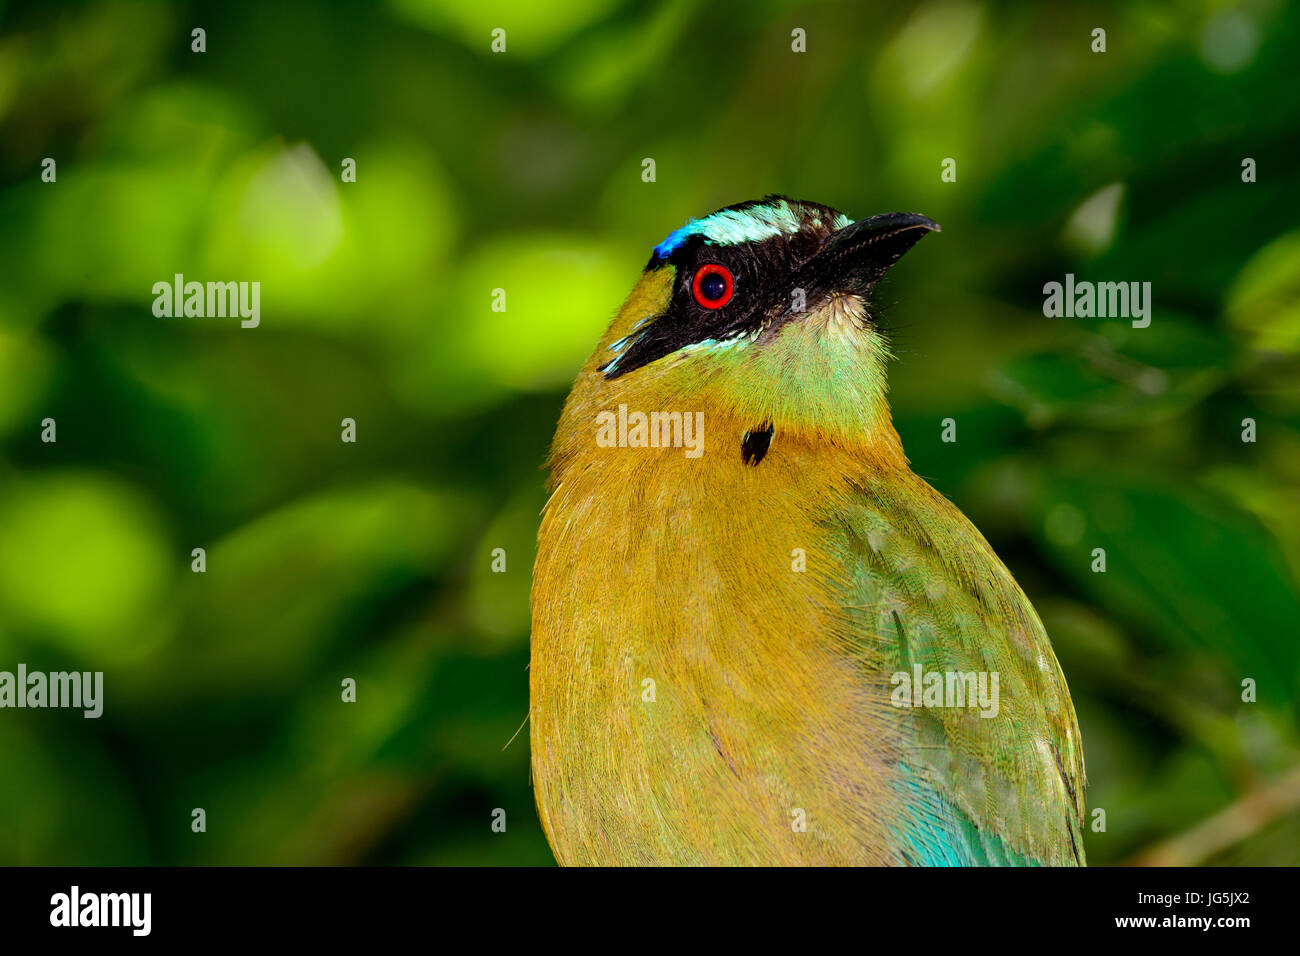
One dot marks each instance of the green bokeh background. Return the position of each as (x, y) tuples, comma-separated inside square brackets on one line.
[(522, 171)]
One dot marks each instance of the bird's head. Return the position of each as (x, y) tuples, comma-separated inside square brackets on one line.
[(759, 314)]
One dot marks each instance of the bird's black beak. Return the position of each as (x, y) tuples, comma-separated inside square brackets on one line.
[(854, 258)]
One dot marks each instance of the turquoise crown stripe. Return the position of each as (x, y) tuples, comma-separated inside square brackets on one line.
[(729, 227)]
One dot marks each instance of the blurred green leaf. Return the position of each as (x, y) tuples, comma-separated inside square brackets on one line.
[(1264, 301), (1182, 567), (83, 564)]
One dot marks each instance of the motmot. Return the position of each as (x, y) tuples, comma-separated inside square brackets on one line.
[(780, 650)]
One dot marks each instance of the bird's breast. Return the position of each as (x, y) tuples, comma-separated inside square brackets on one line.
[(698, 695)]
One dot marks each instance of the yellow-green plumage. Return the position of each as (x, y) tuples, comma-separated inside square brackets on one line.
[(714, 640)]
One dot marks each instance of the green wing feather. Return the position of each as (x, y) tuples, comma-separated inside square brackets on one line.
[(924, 587)]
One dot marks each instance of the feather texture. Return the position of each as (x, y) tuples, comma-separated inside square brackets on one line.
[(716, 640)]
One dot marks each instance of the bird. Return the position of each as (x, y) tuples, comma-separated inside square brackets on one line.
[(758, 637)]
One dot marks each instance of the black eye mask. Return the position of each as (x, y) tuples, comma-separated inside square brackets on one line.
[(819, 260)]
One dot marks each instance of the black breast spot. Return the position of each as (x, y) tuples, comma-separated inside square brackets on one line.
[(755, 444)]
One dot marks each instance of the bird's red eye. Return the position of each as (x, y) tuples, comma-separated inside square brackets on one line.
[(712, 286)]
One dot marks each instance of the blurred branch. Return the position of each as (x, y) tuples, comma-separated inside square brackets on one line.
[(1229, 826)]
